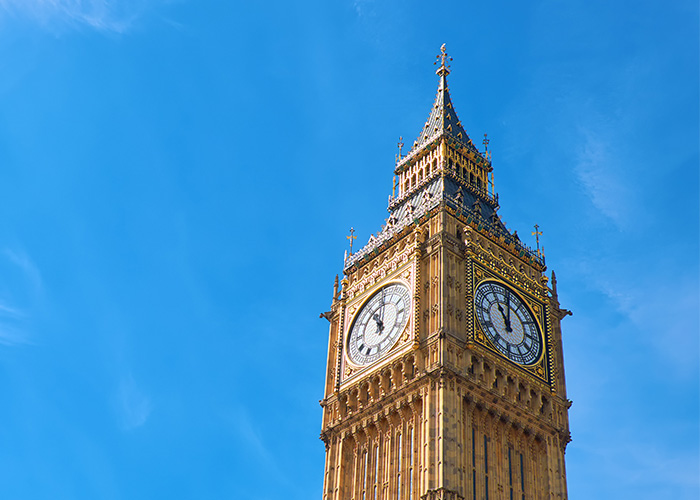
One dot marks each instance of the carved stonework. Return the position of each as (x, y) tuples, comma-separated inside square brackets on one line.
[(442, 494)]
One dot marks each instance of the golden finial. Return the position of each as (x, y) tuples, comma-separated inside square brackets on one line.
[(487, 153), (444, 68), (537, 233), (351, 238)]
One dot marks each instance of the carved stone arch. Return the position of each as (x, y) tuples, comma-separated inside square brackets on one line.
[(385, 381), (371, 430), (405, 411), (383, 425), (409, 364), (394, 418), (416, 406), (397, 373), (360, 436), (363, 396), (374, 388), (343, 405), (353, 399)]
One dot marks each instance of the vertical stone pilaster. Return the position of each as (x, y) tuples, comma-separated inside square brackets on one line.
[(341, 332), (417, 317)]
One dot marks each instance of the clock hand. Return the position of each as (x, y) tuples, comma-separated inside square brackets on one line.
[(508, 306), (378, 321), (383, 298), (506, 320)]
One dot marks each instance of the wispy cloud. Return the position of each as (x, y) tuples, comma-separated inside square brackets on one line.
[(255, 445), (133, 404), (640, 462), (252, 437), (21, 259), (101, 15), (662, 312), (11, 332), (667, 316), (361, 6), (25, 288), (598, 170)]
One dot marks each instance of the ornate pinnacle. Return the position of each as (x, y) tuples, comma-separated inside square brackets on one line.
[(537, 233), (444, 58), (351, 238), (399, 155), (444, 68)]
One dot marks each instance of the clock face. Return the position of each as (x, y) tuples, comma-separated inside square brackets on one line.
[(508, 323), (378, 324)]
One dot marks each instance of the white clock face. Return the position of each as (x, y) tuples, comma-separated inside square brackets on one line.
[(378, 324), (508, 323)]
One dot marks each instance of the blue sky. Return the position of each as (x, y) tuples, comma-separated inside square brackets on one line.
[(177, 179)]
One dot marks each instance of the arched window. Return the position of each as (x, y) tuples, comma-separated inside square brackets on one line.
[(398, 475)]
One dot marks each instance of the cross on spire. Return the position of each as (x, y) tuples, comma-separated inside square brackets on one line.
[(444, 59), (443, 55), (351, 238), (537, 233), (486, 142)]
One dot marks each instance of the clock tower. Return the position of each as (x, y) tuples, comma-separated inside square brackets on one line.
[(445, 375)]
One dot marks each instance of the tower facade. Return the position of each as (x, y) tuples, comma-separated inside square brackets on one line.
[(445, 376)]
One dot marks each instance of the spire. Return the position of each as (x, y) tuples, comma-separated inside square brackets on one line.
[(443, 118)]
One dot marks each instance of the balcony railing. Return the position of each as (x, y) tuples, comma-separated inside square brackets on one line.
[(393, 227)]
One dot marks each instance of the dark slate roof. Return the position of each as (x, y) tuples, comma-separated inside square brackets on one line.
[(442, 120)]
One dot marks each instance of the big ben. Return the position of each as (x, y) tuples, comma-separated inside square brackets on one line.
[(445, 376)]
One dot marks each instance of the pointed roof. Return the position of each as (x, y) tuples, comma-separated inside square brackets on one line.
[(443, 117)]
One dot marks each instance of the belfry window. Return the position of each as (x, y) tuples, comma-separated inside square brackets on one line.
[(473, 463), (510, 472), (411, 449), (522, 476), (364, 474), (376, 469), (398, 476), (486, 467)]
